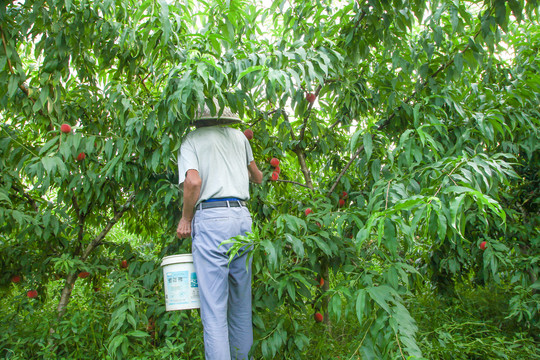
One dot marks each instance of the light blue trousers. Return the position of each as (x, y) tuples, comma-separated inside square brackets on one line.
[(225, 290)]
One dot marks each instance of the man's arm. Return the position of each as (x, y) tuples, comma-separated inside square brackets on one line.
[(255, 175), (192, 190)]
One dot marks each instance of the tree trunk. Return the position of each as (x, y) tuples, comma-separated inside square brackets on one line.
[(66, 294), (304, 168)]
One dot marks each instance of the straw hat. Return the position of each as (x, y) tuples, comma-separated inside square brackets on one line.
[(207, 119)]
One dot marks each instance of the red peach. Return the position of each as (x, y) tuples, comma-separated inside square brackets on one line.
[(16, 279), (248, 133), (318, 317), (275, 176), (308, 211), (81, 156), (124, 264), (32, 294), (483, 245), (65, 128), (274, 162), (311, 97), (84, 274)]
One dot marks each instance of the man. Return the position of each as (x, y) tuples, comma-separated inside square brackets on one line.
[(215, 166)]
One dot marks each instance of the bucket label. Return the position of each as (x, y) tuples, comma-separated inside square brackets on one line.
[(178, 286), (194, 286), (194, 283)]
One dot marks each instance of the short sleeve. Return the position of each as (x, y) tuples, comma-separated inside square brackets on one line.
[(187, 160), (249, 152)]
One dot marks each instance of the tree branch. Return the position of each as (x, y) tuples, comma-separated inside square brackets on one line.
[(70, 280), (80, 219), (304, 168), (294, 182), (30, 199), (21, 86), (355, 155), (286, 117), (98, 239)]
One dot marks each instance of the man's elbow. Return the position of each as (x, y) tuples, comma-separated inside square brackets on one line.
[(192, 182)]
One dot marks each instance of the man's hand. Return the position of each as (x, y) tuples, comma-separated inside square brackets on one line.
[(192, 189), (184, 228), (255, 175)]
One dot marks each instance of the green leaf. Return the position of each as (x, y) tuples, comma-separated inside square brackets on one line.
[(455, 206), (335, 305), (382, 295), (49, 164), (368, 145), (249, 71), (4, 196), (13, 85), (165, 23), (321, 243), (297, 245), (361, 305), (271, 252), (48, 145), (138, 334), (354, 139)]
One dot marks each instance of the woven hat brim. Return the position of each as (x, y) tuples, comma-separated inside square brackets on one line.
[(209, 121)]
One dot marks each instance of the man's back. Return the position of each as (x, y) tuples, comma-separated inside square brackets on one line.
[(221, 156)]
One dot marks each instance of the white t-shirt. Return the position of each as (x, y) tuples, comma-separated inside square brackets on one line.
[(221, 156)]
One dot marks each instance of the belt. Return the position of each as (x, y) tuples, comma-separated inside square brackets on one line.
[(222, 203)]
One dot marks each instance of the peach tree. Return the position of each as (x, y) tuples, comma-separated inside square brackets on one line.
[(408, 129)]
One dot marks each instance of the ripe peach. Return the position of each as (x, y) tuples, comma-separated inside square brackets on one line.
[(248, 133), (65, 128)]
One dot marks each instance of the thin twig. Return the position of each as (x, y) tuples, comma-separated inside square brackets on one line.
[(294, 182), (22, 145), (286, 117), (358, 151), (5, 49), (21, 86), (399, 345), (440, 187), (362, 341)]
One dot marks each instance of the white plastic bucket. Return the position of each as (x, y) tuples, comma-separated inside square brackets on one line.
[(180, 283)]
